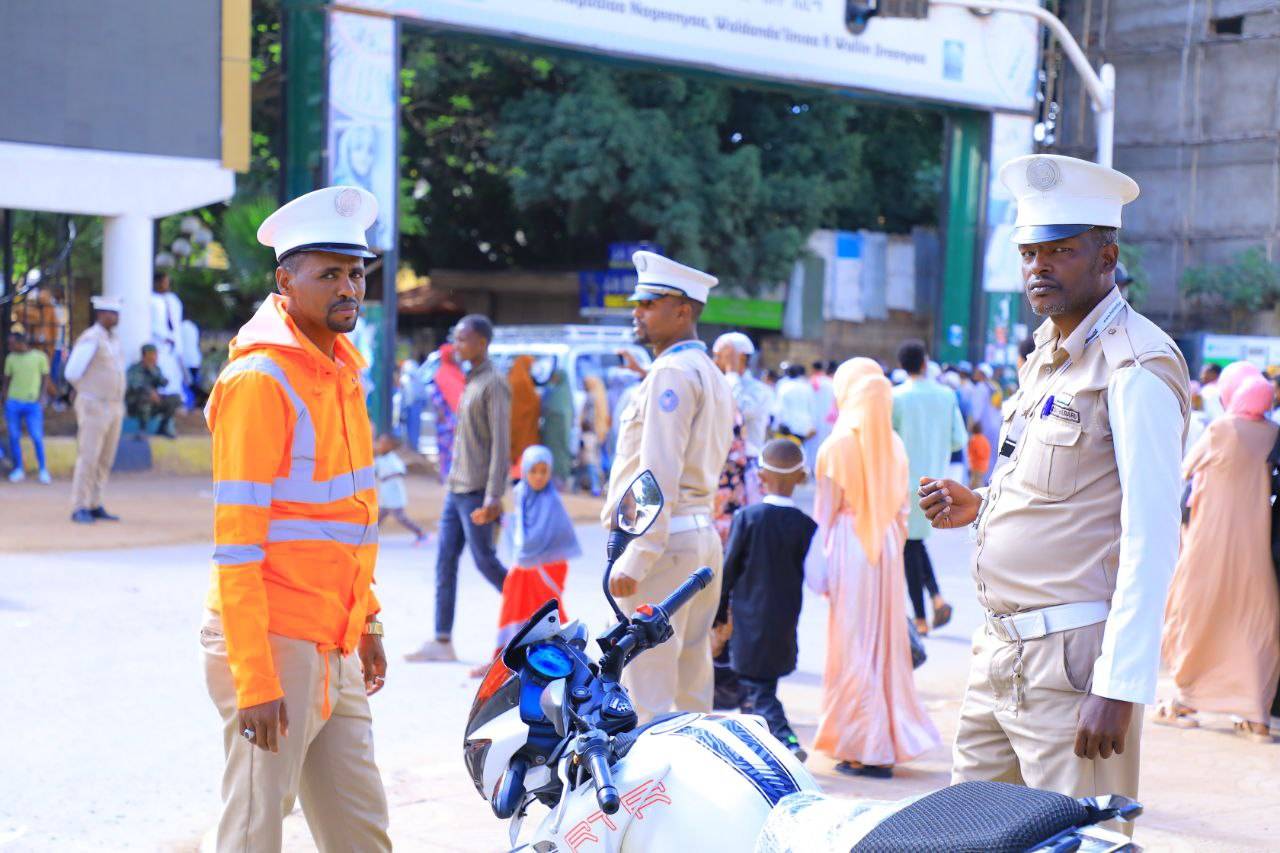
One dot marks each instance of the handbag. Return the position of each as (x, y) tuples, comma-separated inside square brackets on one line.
[(918, 655)]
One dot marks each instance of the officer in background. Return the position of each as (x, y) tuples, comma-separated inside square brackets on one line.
[(96, 369), (1077, 535), (679, 425)]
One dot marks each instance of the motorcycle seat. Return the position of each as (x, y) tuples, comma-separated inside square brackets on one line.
[(977, 817)]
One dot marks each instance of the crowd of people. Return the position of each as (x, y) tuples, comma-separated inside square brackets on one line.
[(1072, 483), (42, 373)]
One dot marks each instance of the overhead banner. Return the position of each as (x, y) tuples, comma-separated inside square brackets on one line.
[(955, 56), (363, 104)]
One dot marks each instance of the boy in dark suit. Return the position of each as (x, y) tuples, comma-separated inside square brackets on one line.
[(763, 580)]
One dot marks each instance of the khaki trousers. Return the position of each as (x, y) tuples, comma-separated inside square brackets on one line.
[(1034, 743), (677, 675), (328, 763), (97, 436)]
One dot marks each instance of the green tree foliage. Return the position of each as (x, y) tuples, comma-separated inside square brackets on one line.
[(516, 159), (1247, 284), (1140, 286)]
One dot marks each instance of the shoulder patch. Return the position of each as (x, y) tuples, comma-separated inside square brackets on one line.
[(1117, 348), (669, 401)]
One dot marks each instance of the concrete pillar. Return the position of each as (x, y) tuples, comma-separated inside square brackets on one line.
[(127, 250)]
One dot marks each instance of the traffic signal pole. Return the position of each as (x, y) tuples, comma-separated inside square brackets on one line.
[(1100, 84)]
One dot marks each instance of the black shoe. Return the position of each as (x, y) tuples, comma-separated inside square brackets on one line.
[(793, 743), (102, 515), (870, 771), (83, 516)]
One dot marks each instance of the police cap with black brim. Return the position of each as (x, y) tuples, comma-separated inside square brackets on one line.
[(333, 219), (657, 277), (1060, 197)]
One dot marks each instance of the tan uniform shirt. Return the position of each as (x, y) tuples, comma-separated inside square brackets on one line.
[(679, 425), (103, 377), (1057, 527)]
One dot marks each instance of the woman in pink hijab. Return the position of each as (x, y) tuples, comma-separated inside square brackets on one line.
[(1222, 621), (1233, 377), (871, 716)]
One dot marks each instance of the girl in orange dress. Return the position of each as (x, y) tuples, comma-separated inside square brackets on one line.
[(544, 543)]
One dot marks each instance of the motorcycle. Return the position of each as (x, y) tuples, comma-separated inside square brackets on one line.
[(552, 726)]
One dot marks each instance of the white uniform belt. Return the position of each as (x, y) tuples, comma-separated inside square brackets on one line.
[(1034, 624), (685, 523)]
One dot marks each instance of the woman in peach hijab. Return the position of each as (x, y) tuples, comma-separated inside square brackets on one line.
[(1222, 621), (871, 716), (526, 409)]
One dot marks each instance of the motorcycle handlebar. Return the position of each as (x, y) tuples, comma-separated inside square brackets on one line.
[(696, 583), (596, 753)]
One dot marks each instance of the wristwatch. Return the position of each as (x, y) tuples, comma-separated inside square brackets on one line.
[(374, 627)]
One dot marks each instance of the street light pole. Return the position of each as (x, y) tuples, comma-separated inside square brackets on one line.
[(1100, 84)]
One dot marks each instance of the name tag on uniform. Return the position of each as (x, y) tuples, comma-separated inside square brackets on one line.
[(1065, 412)]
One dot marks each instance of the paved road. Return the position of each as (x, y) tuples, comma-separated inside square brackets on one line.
[(111, 742)]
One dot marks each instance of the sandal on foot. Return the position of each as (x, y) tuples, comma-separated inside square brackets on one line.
[(942, 615), (1175, 716), (922, 627), (1246, 730)]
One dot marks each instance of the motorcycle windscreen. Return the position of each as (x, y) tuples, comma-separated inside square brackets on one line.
[(499, 692)]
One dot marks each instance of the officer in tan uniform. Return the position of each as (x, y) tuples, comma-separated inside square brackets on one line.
[(1077, 535), (678, 425), (96, 370)]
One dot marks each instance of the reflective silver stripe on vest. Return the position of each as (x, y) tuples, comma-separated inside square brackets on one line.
[(234, 555), (309, 530), (323, 491), (301, 486), (242, 493)]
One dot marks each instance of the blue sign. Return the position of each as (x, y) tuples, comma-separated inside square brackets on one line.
[(620, 253), (603, 293)]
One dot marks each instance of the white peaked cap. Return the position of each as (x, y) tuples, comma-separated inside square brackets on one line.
[(107, 303), (333, 219), (740, 343), (1060, 197), (659, 276)]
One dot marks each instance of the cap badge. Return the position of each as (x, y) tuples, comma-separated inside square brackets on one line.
[(347, 202), (1043, 174)]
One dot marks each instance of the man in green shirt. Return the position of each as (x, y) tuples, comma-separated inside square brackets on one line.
[(927, 417), (143, 398), (26, 374)]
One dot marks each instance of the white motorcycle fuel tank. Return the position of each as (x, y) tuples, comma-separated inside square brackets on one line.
[(703, 782)]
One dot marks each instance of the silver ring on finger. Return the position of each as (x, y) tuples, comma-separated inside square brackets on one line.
[(249, 734)]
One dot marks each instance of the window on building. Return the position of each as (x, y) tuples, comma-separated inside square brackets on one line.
[(1227, 26)]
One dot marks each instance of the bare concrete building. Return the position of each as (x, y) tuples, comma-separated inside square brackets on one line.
[(1197, 125)]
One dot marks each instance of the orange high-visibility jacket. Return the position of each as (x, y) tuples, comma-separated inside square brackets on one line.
[(295, 500)]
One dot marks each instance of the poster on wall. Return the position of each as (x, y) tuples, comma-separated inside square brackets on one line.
[(953, 56), (1002, 268), (363, 103)]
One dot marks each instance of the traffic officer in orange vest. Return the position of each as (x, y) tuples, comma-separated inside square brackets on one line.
[(1077, 535), (292, 643)]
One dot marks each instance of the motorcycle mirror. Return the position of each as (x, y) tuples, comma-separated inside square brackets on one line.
[(553, 706), (638, 509), (640, 505)]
